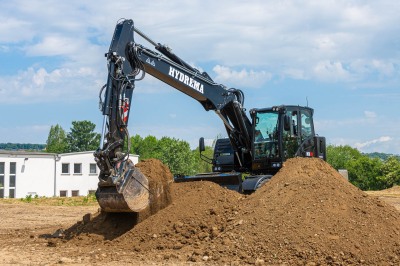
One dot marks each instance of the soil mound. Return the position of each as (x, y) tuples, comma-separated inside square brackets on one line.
[(160, 178), (307, 214), (113, 225), (200, 213)]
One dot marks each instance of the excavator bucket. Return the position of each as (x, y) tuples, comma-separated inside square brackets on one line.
[(130, 192)]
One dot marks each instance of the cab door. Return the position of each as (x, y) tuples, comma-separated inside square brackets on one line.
[(291, 137), (306, 126)]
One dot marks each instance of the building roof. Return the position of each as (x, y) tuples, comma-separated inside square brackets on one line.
[(27, 154), (20, 154)]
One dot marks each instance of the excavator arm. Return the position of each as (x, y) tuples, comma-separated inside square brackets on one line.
[(172, 70), (122, 187)]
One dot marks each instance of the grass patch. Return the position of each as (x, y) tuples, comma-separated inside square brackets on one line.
[(89, 200)]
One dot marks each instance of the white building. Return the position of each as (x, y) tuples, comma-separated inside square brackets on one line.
[(48, 174)]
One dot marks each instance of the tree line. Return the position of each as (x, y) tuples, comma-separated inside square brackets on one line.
[(175, 153), (22, 146), (365, 171), (374, 171)]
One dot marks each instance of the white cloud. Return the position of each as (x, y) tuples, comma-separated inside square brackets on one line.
[(242, 78), (55, 45), (370, 114), (325, 43), (4, 48), (14, 29), (360, 16), (362, 68), (331, 71), (328, 41), (369, 143), (383, 67), (295, 73), (385, 144), (40, 85), (349, 123), (330, 124)]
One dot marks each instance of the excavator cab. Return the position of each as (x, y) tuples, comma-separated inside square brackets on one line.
[(280, 133), (283, 132)]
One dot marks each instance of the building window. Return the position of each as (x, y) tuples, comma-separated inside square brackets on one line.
[(1, 175), (63, 193), (13, 167), (75, 193), (65, 168), (11, 194), (93, 168), (12, 181), (77, 168), (1, 179), (13, 171), (2, 168)]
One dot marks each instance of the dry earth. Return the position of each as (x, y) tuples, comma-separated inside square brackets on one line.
[(306, 215)]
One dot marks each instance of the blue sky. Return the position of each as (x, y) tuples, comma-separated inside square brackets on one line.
[(343, 57)]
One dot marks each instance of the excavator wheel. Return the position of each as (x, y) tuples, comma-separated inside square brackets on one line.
[(130, 194)]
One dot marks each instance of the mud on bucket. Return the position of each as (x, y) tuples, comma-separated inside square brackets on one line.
[(130, 195)]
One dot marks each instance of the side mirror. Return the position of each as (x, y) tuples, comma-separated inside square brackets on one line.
[(201, 145), (286, 123)]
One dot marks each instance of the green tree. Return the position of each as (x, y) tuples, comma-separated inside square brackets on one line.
[(366, 173), (201, 165), (57, 140), (136, 142), (177, 155), (82, 137), (340, 156), (391, 171), (148, 148)]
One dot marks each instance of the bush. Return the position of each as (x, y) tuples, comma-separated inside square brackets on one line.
[(365, 172)]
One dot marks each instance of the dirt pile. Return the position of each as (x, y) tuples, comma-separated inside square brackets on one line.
[(112, 225), (307, 213), (160, 178), (310, 213)]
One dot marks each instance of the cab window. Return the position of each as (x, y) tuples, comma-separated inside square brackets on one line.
[(291, 137), (306, 127), (266, 135)]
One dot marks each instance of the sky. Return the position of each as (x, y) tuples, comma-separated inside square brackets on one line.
[(342, 58)]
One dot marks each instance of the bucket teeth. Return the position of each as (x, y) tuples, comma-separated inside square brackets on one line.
[(129, 194)]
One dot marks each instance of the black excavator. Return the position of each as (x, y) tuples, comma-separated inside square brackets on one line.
[(254, 151)]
